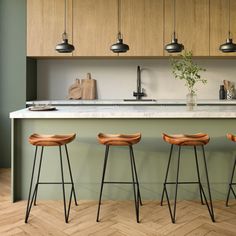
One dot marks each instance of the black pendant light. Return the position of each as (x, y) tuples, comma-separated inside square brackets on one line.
[(174, 46), (229, 46), (119, 46), (65, 47)]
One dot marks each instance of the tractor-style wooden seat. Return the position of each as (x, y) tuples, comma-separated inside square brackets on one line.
[(51, 140), (119, 139), (186, 139)]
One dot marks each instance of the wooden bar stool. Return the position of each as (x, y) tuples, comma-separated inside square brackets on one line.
[(187, 140), (121, 140), (232, 138), (46, 141)]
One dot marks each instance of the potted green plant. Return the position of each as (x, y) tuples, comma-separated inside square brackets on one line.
[(185, 69)]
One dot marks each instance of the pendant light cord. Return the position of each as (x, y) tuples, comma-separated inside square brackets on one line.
[(118, 16), (174, 17), (229, 19), (65, 17), (64, 35)]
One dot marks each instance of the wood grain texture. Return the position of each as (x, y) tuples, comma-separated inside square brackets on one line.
[(187, 139), (50, 140), (146, 25), (94, 27), (219, 25), (142, 27), (119, 139), (192, 25), (45, 25), (89, 88), (117, 218)]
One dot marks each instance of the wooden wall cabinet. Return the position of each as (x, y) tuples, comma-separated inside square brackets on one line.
[(142, 27), (146, 25), (219, 25), (45, 25), (192, 25), (94, 27)]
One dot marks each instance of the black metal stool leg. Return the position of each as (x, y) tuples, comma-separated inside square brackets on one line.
[(210, 208), (136, 199), (71, 178), (136, 175), (29, 203), (167, 171), (176, 186), (63, 190), (233, 191), (39, 171), (230, 184), (198, 174), (173, 214), (102, 183)]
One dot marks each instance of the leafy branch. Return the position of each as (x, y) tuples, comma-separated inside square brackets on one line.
[(185, 69)]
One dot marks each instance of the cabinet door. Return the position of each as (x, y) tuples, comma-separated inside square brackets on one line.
[(219, 25), (192, 25), (142, 27), (94, 27), (45, 25)]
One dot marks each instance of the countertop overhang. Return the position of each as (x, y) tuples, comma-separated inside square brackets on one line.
[(132, 111)]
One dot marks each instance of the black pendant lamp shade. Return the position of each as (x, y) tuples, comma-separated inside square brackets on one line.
[(65, 47), (174, 46), (119, 46), (228, 46)]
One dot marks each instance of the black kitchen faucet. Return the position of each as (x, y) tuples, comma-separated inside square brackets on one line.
[(139, 94)]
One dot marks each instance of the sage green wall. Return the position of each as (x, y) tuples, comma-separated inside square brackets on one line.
[(12, 68)]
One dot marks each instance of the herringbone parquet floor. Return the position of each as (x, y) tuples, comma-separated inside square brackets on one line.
[(117, 218)]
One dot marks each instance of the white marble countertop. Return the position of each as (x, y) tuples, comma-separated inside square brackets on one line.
[(122, 102), (117, 111)]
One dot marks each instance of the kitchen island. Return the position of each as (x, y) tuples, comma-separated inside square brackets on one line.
[(151, 153)]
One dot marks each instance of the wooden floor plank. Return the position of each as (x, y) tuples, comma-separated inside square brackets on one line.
[(117, 218)]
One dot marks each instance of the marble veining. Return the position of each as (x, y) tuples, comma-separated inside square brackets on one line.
[(117, 111)]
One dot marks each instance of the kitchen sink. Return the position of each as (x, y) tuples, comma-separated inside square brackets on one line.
[(139, 100)]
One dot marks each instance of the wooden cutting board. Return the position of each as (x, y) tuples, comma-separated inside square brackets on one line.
[(89, 89), (75, 90)]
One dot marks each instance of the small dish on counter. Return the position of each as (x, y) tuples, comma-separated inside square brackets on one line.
[(42, 108), (139, 100)]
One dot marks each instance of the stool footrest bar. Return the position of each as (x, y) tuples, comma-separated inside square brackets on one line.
[(105, 182), (182, 183), (54, 183)]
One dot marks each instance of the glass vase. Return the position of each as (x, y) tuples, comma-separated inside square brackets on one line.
[(229, 94), (191, 101)]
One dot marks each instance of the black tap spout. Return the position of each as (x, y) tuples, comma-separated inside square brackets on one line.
[(139, 94), (139, 79)]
